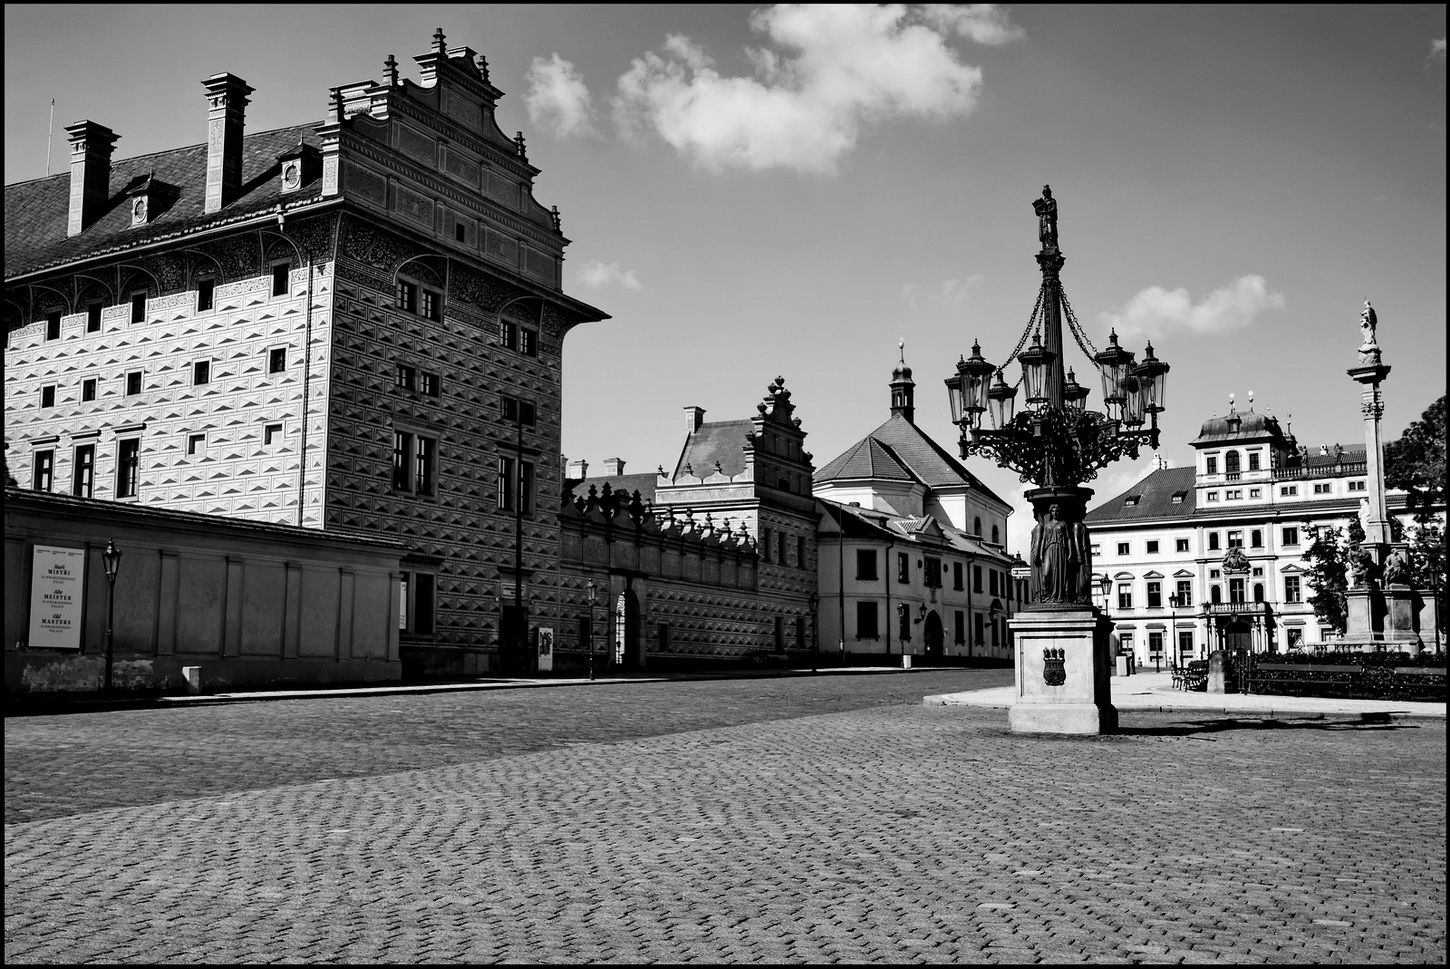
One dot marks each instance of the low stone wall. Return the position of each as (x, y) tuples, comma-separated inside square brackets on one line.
[(252, 605)]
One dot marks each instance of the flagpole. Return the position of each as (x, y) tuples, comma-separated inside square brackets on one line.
[(49, 133)]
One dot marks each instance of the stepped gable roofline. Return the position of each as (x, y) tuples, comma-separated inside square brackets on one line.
[(1155, 499), (722, 441), (36, 210), (921, 457), (1239, 426)]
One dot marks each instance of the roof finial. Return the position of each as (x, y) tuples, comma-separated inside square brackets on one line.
[(391, 66), (1231, 408), (1251, 400), (438, 40)]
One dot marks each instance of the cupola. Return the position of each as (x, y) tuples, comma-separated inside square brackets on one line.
[(903, 388)]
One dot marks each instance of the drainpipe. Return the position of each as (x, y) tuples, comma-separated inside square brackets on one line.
[(841, 577), (890, 618)]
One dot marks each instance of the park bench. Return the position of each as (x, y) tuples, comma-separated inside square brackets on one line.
[(1194, 676)]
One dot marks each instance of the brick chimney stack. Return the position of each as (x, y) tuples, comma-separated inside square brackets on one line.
[(577, 470), (613, 467), (227, 100), (694, 417), (91, 145)]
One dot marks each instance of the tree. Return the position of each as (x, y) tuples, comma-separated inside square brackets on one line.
[(1328, 557), (1416, 463)]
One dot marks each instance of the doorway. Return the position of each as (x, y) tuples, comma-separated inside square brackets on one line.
[(932, 633)]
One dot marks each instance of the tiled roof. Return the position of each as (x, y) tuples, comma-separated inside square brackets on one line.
[(627, 483), (1155, 498), (36, 211), (1239, 426), (858, 522), (868, 458), (912, 450), (721, 441)]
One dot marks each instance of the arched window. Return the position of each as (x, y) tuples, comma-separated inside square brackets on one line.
[(994, 535), (977, 530), (1231, 462), (1258, 592)]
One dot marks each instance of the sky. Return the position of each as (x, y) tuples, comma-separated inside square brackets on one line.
[(754, 192)]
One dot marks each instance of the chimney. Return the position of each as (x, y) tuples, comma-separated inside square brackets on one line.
[(577, 470), (91, 145), (613, 467), (226, 96), (694, 417)]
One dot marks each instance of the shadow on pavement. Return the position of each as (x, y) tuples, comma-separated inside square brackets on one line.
[(1361, 722)]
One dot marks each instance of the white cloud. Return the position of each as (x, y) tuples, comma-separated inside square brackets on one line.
[(557, 98), (1437, 51), (985, 23), (1156, 310), (596, 274), (833, 72)]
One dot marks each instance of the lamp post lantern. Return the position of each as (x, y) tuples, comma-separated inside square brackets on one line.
[(111, 559), (590, 587), (1174, 601), (1056, 444)]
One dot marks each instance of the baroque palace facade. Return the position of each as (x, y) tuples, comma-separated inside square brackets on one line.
[(355, 326), (1189, 560)]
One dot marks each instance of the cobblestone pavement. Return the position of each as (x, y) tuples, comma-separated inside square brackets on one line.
[(885, 833)]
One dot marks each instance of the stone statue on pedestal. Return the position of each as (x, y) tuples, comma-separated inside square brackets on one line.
[(1046, 209), (1367, 324), (1056, 558), (1397, 569)]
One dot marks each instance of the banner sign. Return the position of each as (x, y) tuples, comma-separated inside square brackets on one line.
[(57, 581), (546, 649)]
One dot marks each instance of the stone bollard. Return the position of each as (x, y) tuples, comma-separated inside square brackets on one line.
[(906, 661), (1125, 665), (192, 676), (1218, 664)]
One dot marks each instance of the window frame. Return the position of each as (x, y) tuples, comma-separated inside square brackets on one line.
[(88, 390), (868, 620), (138, 379), (205, 294), (42, 470), (276, 360), (281, 271), (138, 306), (83, 471), (863, 557), (200, 373), (128, 467)]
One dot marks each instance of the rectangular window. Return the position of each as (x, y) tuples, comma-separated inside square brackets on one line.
[(432, 305), (281, 283), (1155, 644), (1213, 541), (976, 578), (88, 389), (992, 581), (1233, 495), (1235, 539), (1152, 548), (133, 383), (271, 434), (1122, 548), (1214, 573), (1290, 536), (800, 551), (93, 317), (52, 325), (1235, 590), (205, 294), (277, 360), (196, 445), (42, 477), (1296, 638), (1288, 491), (903, 623), (865, 564), (1180, 545), (405, 377), (780, 550), (866, 627), (932, 564), (1256, 492), (1125, 595), (83, 471), (425, 464), (1215, 594), (528, 341), (1292, 590), (428, 383), (402, 459), (1155, 595), (960, 628), (1323, 489), (1213, 496), (979, 627), (509, 335), (47, 396), (128, 467), (200, 373), (1211, 467), (957, 576), (138, 307), (1185, 644), (1253, 460), (903, 567), (1256, 538), (1185, 594), (1356, 486), (407, 296), (526, 488)]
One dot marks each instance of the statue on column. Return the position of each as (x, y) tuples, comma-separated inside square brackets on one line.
[(1397, 569), (1367, 323), (1046, 208)]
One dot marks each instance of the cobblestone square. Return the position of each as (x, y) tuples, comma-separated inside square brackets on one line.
[(781, 820)]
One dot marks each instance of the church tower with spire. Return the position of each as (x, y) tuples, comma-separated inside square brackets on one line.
[(903, 388)]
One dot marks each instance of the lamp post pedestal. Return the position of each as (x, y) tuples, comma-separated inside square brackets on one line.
[(1062, 672)]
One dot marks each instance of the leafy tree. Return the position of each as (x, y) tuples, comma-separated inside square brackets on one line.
[(1328, 557), (1416, 463)]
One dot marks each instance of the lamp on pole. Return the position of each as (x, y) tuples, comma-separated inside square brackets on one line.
[(111, 558), (1057, 443), (590, 587), (1174, 601), (815, 638)]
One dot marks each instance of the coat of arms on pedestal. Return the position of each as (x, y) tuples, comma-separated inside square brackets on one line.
[(1054, 673)]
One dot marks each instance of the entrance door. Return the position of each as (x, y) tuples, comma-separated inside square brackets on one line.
[(1237, 635), (933, 635), (512, 652)]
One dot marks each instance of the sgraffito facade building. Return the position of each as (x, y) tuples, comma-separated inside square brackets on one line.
[(355, 326)]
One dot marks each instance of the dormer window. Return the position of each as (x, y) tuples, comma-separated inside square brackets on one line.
[(1178, 497), (1131, 501), (299, 166)]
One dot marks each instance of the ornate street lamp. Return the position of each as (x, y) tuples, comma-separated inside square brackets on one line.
[(1056, 443), (590, 587), (111, 559)]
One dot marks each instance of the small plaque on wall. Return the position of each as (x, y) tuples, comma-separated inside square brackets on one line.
[(57, 582)]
